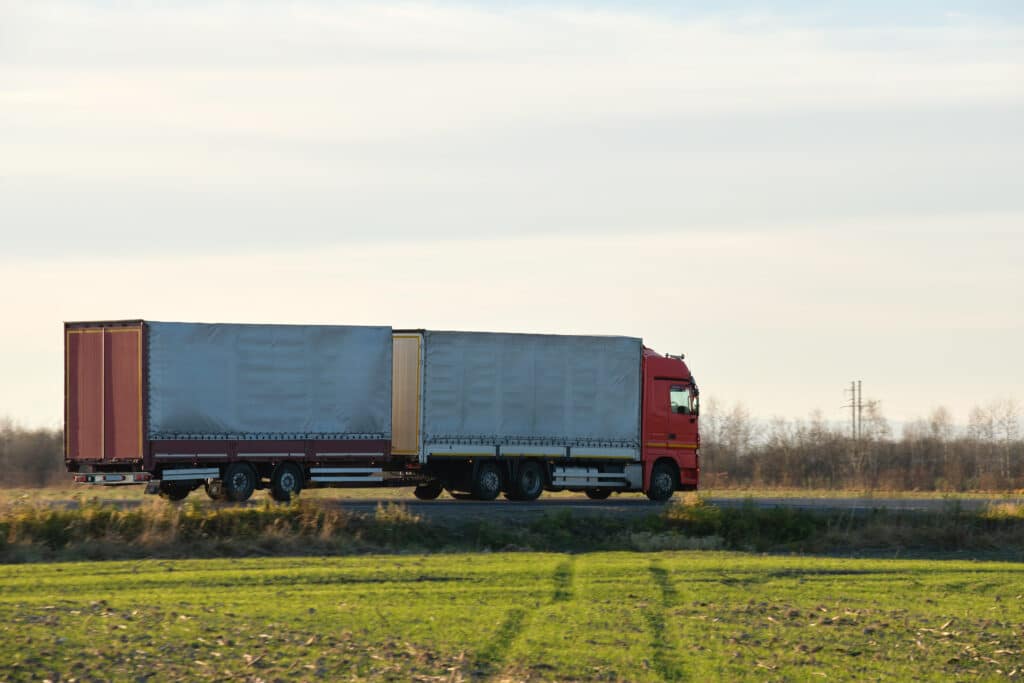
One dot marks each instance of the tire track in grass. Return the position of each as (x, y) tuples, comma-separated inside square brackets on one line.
[(564, 575), (667, 661), (490, 661)]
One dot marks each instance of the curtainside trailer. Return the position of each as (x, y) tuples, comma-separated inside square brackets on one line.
[(235, 408)]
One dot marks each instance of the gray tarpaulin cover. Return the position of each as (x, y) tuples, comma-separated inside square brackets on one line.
[(269, 381), (519, 388)]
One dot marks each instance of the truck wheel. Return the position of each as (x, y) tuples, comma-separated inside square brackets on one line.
[(174, 491), (428, 491), (239, 481), (215, 489), (663, 483), (598, 494), (486, 482), (285, 482), (529, 482)]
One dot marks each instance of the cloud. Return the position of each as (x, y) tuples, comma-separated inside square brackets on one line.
[(788, 198), (369, 72)]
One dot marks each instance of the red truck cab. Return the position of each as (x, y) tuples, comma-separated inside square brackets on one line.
[(670, 438)]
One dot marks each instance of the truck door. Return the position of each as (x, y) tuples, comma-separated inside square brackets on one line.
[(103, 384), (671, 418), (682, 416)]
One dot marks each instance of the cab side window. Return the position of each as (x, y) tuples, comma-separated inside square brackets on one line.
[(680, 400)]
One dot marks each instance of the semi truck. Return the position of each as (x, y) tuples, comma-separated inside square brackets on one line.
[(235, 408)]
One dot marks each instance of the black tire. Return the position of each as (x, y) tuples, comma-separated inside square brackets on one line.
[(239, 481), (285, 482), (174, 490), (528, 483), (486, 481), (215, 489), (428, 491), (598, 494), (663, 482)]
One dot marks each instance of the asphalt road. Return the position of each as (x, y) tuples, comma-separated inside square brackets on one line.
[(866, 504)]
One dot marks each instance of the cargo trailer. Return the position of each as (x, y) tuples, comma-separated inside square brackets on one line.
[(235, 408)]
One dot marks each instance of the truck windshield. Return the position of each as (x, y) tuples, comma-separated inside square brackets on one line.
[(682, 400)]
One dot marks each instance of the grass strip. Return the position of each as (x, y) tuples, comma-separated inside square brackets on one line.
[(309, 527)]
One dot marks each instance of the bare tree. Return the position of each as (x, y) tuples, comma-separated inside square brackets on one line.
[(981, 424), (930, 453), (30, 457), (1005, 416)]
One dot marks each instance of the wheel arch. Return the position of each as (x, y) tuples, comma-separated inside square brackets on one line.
[(651, 464)]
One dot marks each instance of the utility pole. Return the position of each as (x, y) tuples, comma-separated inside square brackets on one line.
[(853, 410), (856, 406), (860, 411)]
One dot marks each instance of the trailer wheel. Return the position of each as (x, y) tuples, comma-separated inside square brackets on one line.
[(428, 491), (663, 482), (174, 491), (285, 482), (239, 481), (486, 481), (215, 489), (598, 494), (528, 483)]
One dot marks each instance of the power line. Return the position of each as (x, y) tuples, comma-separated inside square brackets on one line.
[(856, 406)]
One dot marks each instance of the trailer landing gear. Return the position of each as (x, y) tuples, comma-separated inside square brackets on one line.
[(215, 489)]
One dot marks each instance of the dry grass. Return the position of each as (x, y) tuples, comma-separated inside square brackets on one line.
[(95, 530), (199, 528), (1004, 511)]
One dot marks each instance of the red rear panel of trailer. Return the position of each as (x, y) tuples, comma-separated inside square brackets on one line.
[(103, 385)]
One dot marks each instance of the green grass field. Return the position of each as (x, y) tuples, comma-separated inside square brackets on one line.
[(513, 616)]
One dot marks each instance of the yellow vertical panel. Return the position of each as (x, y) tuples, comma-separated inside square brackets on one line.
[(405, 394)]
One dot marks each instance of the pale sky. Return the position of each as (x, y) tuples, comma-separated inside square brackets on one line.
[(794, 197)]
